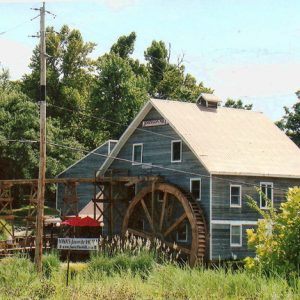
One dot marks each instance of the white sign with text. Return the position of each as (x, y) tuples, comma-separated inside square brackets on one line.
[(153, 123), (77, 244)]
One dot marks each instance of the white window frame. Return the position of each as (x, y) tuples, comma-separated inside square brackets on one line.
[(133, 146), (186, 233), (200, 183), (172, 142), (240, 202), (241, 236), (261, 198)]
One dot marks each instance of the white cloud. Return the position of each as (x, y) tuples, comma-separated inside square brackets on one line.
[(14, 56), (256, 79)]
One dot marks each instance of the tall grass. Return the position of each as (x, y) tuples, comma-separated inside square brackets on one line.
[(18, 280)]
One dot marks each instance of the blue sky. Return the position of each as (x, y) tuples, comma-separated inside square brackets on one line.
[(246, 49)]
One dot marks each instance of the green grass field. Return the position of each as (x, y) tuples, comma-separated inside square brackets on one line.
[(135, 277)]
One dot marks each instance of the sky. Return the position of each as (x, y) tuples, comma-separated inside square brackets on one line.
[(242, 49)]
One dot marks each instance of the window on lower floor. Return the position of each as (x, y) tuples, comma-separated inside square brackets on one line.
[(266, 194), (235, 235), (182, 233), (137, 154), (235, 195), (195, 188)]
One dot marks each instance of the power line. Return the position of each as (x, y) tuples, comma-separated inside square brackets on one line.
[(142, 164), (15, 27), (109, 121)]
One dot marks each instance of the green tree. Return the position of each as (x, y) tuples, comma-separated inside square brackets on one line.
[(19, 120), (237, 104), (70, 79), (276, 239), (290, 123), (124, 47), (157, 61), (118, 94), (169, 81)]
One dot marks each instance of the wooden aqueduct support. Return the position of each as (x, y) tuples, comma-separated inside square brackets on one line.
[(162, 211), (70, 199), (6, 210)]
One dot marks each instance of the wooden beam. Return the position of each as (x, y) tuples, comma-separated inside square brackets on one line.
[(176, 224), (163, 211), (147, 214), (80, 180), (139, 233)]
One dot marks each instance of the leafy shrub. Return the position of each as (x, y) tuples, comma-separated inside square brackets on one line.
[(51, 263), (276, 240), (137, 264)]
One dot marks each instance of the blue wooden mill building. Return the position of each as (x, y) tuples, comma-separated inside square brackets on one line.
[(181, 172)]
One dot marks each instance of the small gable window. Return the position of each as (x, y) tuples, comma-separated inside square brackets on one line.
[(176, 151), (267, 194), (195, 188), (235, 195), (137, 154), (236, 235)]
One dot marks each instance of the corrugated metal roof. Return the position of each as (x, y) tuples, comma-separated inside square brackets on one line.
[(233, 141)]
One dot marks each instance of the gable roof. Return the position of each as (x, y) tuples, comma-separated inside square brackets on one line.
[(226, 141)]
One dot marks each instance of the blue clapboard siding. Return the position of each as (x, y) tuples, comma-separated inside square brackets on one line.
[(221, 210), (221, 249), (84, 168), (157, 151)]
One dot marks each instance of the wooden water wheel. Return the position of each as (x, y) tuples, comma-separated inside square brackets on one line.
[(165, 212)]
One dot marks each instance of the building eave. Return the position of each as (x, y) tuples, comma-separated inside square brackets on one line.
[(255, 174)]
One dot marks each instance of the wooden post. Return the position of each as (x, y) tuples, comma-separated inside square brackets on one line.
[(111, 210), (42, 166)]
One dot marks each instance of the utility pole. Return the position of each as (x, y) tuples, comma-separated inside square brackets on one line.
[(42, 165)]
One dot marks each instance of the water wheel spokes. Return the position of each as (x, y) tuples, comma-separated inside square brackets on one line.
[(167, 214)]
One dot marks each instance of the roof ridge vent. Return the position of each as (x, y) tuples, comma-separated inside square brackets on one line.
[(208, 100)]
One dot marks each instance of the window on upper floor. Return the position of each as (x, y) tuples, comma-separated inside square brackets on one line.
[(235, 235), (176, 151), (235, 195), (267, 194), (137, 154), (195, 188)]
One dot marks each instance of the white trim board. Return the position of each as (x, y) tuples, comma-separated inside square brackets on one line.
[(233, 222)]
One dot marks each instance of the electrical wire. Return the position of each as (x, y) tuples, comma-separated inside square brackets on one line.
[(143, 164), (15, 27), (109, 121)]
